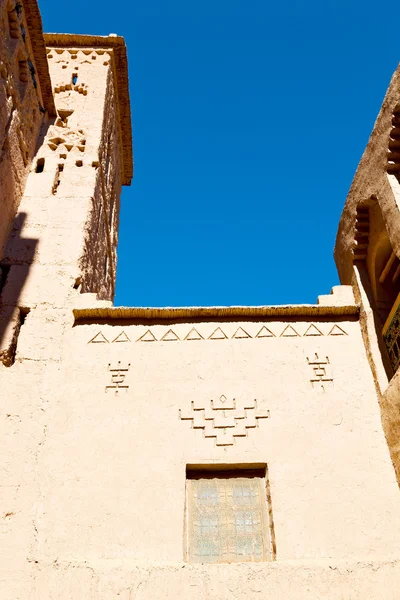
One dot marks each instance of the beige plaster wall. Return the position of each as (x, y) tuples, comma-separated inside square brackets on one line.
[(20, 112), (93, 494), (66, 230), (325, 449)]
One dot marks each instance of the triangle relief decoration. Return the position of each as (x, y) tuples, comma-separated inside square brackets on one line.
[(289, 331), (241, 334), (122, 337), (194, 335), (313, 331), (218, 334), (264, 333), (170, 336), (147, 337), (336, 330), (99, 339)]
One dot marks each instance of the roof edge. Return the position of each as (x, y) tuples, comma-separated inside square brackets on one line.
[(302, 310), (117, 44), (35, 29)]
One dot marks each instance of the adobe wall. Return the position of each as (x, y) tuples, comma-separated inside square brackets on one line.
[(94, 481), (23, 71), (65, 233), (70, 204), (376, 188)]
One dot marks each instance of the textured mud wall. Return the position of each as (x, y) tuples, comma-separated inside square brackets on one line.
[(21, 111), (372, 181), (90, 181), (66, 230), (101, 419), (375, 186), (99, 260)]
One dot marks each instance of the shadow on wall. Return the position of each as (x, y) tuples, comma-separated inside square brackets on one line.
[(14, 272)]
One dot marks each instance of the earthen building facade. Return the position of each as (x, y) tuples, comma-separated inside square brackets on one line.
[(245, 452)]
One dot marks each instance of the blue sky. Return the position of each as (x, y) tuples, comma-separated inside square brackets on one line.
[(249, 120)]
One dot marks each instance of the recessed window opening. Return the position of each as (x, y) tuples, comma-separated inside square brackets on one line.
[(9, 358), (57, 180), (74, 78), (13, 24), (79, 163), (4, 271), (23, 71), (40, 165), (229, 516)]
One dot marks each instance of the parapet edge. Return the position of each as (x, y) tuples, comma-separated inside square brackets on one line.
[(223, 312)]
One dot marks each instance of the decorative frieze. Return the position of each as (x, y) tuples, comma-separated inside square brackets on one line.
[(252, 331), (223, 419)]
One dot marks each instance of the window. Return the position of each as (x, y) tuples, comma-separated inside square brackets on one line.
[(229, 516), (40, 165)]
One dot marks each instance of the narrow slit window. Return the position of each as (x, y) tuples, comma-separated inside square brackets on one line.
[(229, 518), (40, 165)]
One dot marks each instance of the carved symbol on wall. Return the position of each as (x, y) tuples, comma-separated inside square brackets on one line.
[(98, 339), (264, 332), (147, 337), (289, 331), (313, 331), (336, 330), (68, 140), (81, 88), (122, 337), (223, 420), (170, 336), (218, 334), (321, 372), (118, 375), (194, 335), (241, 334)]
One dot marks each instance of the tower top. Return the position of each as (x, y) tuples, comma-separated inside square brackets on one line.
[(115, 45)]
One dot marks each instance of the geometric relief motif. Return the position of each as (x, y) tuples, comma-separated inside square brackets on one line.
[(218, 334), (122, 337), (194, 335), (222, 420), (271, 332), (336, 330), (289, 331), (147, 337), (321, 376), (313, 331), (99, 339), (170, 336), (118, 374)]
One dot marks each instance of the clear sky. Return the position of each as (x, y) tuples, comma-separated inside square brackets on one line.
[(249, 120)]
